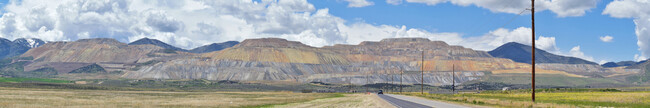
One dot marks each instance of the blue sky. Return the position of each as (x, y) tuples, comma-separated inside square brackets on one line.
[(476, 24), (475, 21)]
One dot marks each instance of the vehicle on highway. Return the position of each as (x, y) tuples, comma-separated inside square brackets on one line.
[(380, 92)]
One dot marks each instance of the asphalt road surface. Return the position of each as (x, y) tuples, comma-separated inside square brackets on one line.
[(401, 101)]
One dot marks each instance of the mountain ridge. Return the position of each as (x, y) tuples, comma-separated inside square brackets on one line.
[(276, 59), (156, 42), (214, 47), (15, 48), (522, 53)]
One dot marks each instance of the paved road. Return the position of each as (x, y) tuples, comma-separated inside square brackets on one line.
[(401, 101)]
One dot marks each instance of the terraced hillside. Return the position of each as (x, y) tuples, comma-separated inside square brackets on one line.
[(104, 54), (274, 59)]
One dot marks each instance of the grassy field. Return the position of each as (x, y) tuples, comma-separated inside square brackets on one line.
[(30, 97), (42, 80), (548, 80), (347, 101), (550, 98)]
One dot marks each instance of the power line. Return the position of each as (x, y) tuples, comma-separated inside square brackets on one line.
[(490, 19), (513, 18)]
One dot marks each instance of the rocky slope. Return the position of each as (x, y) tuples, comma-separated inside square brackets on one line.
[(273, 59), (404, 49), (355, 73), (282, 60), (110, 54), (91, 51), (522, 53), (277, 50)]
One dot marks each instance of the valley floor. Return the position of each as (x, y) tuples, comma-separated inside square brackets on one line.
[(347, 101), (31, 97), (554, 99)]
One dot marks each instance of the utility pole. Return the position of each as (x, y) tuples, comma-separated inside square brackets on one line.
[(392, 82), (453, 79), (422, 76), (533, 47), (367, 82), (350, 84), (400, 79)]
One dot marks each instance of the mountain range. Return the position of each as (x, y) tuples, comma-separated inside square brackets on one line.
[(522, 53), (621, 63), (275, 59), (17, 47), (202, 49)]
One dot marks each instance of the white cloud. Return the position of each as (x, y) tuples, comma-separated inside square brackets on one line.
[(638, 57), (359, 3), (188, 24), (601, 62), (498, 37), (606, 38), (640, 11), (394, 2), (359, 32), (428, 2), (575, 52), (192, 23), (563, 8)]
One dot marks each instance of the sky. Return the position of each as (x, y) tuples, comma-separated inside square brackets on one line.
[(596, 30)]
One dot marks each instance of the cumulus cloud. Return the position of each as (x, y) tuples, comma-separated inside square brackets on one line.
[(576, 52), (359, 32), (187, 23), (606, 38), (359, 3), (191, 23), (394, 2), (638, 57), (428, 2), (601, 62), (640, 11), (501, 36), (563, 8)]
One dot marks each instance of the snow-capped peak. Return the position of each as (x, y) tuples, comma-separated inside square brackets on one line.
[(29, 42)]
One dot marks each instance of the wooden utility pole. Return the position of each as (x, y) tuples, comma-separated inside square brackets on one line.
[(422, 76), (533, 47)]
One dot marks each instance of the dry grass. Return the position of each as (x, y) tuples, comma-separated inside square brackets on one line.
[(23, 97), (348, 101), (555, 100)]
